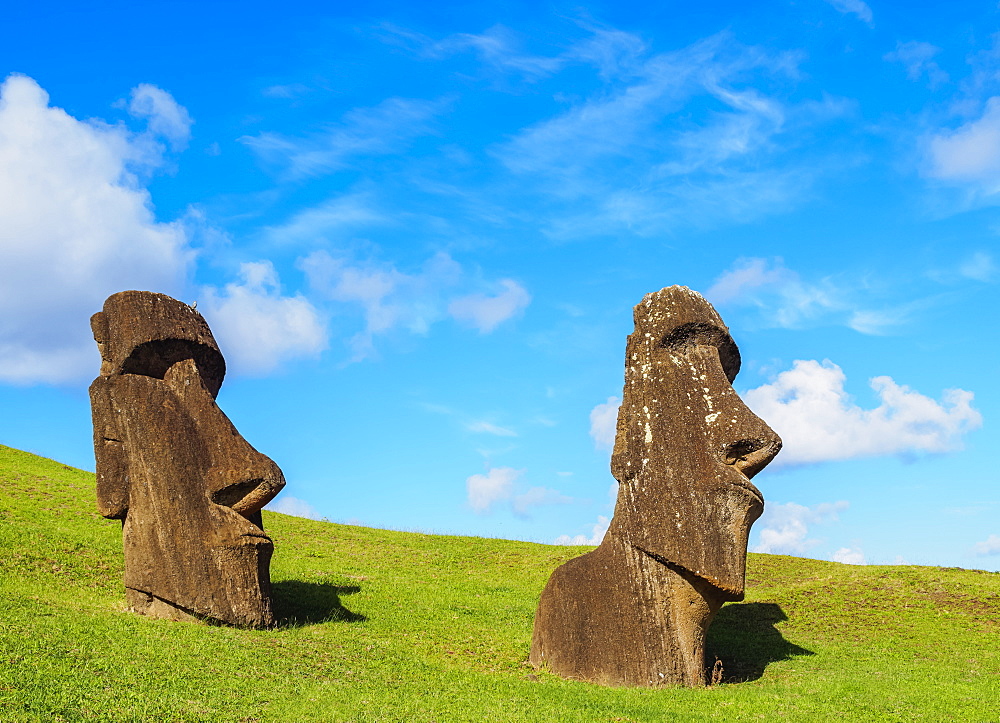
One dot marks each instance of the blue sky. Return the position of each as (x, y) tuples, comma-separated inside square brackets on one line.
[(418, 233)]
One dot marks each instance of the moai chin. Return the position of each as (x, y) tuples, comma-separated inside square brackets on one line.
[(172, 467), (635, 610)]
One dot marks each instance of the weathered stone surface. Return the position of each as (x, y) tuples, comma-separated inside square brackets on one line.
[(635, 610), (172, 467)]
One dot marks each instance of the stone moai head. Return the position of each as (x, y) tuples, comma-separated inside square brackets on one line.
[(686, 444), (187, 487)]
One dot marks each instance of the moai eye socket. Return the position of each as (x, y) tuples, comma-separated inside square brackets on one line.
[(154, 358), (700, 333), (232, 495)]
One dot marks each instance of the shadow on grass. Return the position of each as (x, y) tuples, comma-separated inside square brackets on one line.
[(298, 603), (744, 638)]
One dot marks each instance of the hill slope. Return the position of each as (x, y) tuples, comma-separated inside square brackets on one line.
[(382, 625)]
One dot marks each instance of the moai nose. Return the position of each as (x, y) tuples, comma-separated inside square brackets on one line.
[(755, 447), (249, 485), (239, 476)]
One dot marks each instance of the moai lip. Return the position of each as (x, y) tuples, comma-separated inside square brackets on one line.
[(635, 610), (172, 467)]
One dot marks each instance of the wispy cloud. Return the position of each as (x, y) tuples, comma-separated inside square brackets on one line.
[(979, 266), (384, 129), (817, 420), (165, 116), (917, 58), (389, 298), (498, 48), (615, 53), (857, 8), (786, 300), (329, 220), (666, 124), (749, 275), (616, 125), (522, 503), (489, 428), (289, 90), (703, 135), (783, 529)]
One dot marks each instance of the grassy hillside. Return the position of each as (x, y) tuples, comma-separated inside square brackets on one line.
[(385, 626)]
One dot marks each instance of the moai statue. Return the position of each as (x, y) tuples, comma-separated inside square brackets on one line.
[(172, 467), (635, 610)]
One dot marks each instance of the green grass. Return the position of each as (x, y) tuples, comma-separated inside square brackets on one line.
[(379, 625)]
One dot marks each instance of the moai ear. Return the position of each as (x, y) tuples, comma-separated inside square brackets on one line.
[(99, 328), (109, 452)]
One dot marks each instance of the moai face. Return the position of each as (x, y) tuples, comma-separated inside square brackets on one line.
[(187, 487), (686, 444)]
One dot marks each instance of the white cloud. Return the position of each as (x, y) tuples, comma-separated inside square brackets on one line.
[(594, 538), (486, 312), (485, 490), (603, 423), (783, 529), (917, 58), (488, 428), (815, 417), (293, 506), (853, 7), (849, 556), (258, 328), (971, 153), (74, 214), (384, 129), (164, 115), (989, 546)]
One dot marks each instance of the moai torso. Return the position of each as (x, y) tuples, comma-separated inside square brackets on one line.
[(187, 487), (635, 610)]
